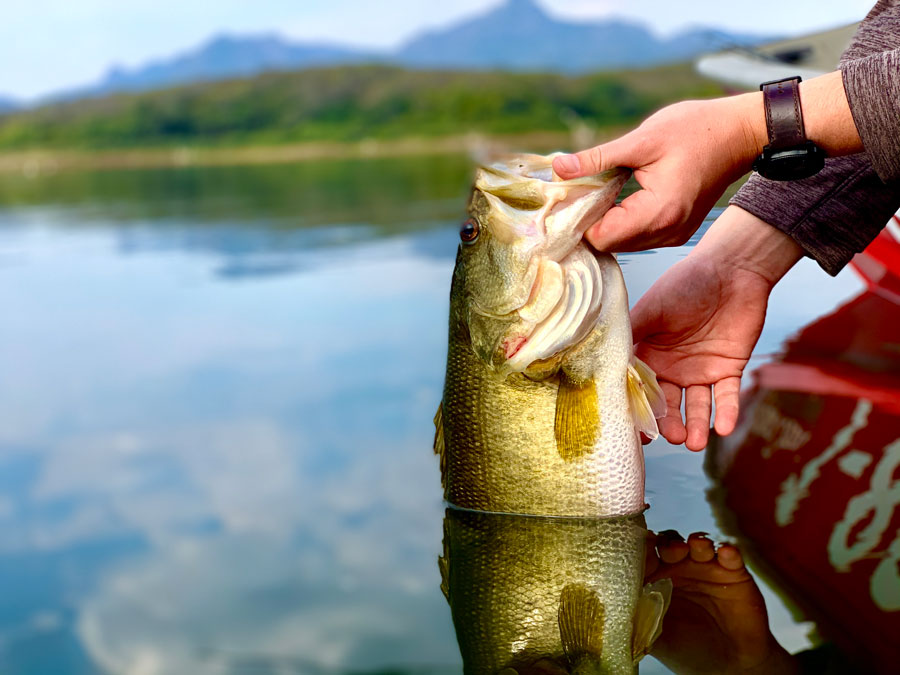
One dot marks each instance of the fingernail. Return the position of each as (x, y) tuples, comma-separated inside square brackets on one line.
[(568, 163), (671, 534)]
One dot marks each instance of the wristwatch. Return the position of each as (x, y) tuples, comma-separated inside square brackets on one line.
[(788, 155)]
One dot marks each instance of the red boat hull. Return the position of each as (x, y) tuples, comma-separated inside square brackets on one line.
[(810, 481)]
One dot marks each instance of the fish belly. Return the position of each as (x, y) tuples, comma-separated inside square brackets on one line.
[(501, 449)]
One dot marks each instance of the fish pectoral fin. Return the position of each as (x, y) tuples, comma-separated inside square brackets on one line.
[(439, 448), (444, 558), (655, 396), (648, 617), (577, 424), (646, 397), (581, 619)]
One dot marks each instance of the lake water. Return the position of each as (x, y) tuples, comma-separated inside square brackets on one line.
[(217, 388)]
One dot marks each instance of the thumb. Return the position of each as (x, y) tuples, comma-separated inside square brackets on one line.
[(594, 160)]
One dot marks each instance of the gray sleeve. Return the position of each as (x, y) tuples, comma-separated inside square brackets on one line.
[(832, 215), (872, 85), (836, 213)]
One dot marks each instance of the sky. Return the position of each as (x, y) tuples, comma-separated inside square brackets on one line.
[(48, 45)]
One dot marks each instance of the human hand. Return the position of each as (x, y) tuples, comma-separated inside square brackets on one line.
[(716, 621), (684, 157), (697, 325)]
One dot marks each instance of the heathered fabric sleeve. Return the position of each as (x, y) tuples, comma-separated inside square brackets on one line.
[(832, 215), (836, 213), (872, 85)]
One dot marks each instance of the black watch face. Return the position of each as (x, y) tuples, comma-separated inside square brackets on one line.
[(791, 164)]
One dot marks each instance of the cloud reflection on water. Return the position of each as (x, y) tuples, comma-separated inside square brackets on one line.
[(266, 442), (205, 472)]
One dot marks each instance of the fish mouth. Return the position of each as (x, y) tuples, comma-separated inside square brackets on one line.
[(564, 301), (561, 312)]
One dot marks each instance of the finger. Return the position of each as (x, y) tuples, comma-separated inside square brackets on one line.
[(730, 557), (727, 394), (629, 225), (701, 546), (674, 552), (671, 546), (596, 159), (671, 426), (697, 402)]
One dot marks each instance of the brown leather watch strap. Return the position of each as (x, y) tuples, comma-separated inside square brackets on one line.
[(784, 119)]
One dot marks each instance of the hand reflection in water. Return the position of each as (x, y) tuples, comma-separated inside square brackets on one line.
[(717, 621)]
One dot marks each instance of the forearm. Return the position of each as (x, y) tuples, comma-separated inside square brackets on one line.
[(826, 117), (740, 240), (836, 213), (832, 215)]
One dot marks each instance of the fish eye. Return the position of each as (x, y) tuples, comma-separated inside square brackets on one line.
[(469, 231)]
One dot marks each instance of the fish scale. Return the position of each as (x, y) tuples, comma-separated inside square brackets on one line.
[(538, 434), (500, 449), (504, 576)]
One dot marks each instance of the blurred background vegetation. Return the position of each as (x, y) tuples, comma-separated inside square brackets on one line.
[(352, 103)]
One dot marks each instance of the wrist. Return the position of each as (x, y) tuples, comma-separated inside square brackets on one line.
[(827, 120), (739, 240), (748, 133)]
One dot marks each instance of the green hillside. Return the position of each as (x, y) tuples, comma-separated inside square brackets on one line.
[(350, 104)]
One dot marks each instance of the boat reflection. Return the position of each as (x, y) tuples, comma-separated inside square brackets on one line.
[(809, 481), (549, 595)]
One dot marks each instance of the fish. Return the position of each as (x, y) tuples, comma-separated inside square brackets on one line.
[(544, 400), (533, 595)]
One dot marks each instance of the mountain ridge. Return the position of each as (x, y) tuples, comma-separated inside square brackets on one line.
[(8, 104), (491, 40)]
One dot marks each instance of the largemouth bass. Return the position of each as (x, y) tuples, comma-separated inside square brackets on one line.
[(543, 398), (533, 595)]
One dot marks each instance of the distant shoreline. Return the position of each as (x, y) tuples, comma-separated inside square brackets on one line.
[(35, 163)]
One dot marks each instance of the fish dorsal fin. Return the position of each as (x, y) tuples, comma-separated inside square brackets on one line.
[(647, 399), (581, 618), (577, 424), (439, 448), (648, 616)]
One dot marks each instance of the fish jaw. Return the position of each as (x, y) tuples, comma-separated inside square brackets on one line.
[(566, 221), (533, 283)]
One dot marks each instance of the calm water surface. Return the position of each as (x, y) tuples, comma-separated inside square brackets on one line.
[(215, 442)]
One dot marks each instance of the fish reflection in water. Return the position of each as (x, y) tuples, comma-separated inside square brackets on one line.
[(530, 594)]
